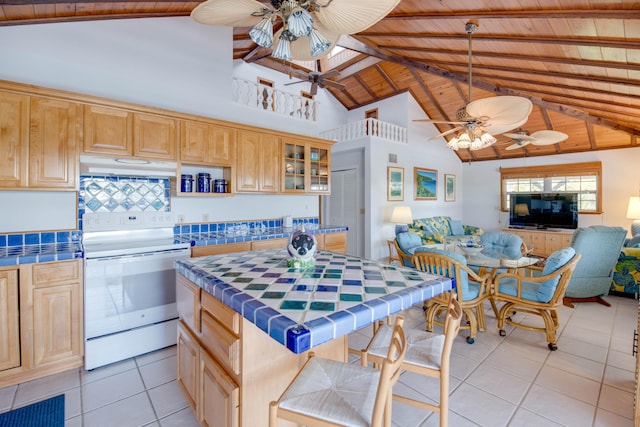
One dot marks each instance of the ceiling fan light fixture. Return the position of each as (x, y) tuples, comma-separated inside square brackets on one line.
[(300, 22), (318, 44), (262, 32), (283, 47)]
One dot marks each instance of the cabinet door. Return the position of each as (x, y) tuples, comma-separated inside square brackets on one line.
[(319, 169), (219, 400), (203, 143), (258, 162), (54, 136), (107, 131), (9, 325), (155, 137), (294, 167), (57, 323), (539, 244), (556, 241), (14, 140), (188, 360), (336, 242)]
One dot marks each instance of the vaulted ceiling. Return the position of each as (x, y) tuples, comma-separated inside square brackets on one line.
[(578, 61)]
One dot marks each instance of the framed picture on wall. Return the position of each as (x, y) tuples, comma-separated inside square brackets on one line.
[(425, 184), (449, 188), (395, 183)]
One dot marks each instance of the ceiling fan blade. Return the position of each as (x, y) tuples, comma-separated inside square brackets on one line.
[(295, 83), (314, 88), (329, 74), (455, 129), (548, 137), (503, 113), (519, 136), (332, 84), (518, 145), (230, 13)]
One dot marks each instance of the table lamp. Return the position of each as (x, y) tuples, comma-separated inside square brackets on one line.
[(401, 216), (633, 212)]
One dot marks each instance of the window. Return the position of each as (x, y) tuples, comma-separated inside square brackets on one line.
[(582, 178)]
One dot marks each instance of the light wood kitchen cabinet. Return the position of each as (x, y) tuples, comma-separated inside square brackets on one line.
[(50, 319), (57, 312), (335, 242), (39, 142), (14, 140), (306, 167), (225, 248), (207, 144), (257, 162), (9, 315), (543, 242), (55, 134), (188, 362), (219, 404), (122, 133)]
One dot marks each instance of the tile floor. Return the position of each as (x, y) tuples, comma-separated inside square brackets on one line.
[(510, 381)]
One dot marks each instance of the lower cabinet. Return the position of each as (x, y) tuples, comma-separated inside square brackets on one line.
[(188, 360), (541, 242), (9, 324), (219, 395), (49, 320)]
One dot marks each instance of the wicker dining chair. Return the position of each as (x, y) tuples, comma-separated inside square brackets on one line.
[(331, 393), (427, 354)]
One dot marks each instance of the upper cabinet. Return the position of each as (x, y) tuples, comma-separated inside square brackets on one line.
[(118, 132), (39, 142), (257, 162), (14, 140), (54, 136), (306, 167), (207, 144)]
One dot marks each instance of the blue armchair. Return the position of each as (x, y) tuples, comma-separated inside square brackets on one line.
[(599, 247)]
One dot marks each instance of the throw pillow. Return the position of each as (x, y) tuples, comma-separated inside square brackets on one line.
[(555, 261), (456, 227)]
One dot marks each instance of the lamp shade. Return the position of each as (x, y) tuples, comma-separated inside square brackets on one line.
[(633, 209), (401, 215)]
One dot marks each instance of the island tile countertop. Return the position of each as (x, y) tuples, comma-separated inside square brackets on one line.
[(246, 234), (303, 308)]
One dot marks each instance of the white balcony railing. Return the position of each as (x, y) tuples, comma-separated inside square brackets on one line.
[(365, 128), (255, 95)]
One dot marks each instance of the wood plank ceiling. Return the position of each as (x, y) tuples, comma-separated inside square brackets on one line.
[(578, 61)]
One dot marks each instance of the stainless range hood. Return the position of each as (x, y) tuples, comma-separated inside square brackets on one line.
[(126, 166)]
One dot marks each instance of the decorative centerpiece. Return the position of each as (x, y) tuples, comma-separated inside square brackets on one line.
[(302, 248), (471, 248)]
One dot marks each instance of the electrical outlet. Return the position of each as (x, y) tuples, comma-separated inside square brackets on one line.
[(205, 217), (181, 218)]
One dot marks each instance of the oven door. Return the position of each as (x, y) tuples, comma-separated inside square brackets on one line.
[(130, 291)]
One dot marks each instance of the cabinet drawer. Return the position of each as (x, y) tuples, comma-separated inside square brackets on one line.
[(221, 343), (51, 274), (223, 314)]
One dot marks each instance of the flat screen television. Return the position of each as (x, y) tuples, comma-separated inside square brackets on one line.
[(543, 210)]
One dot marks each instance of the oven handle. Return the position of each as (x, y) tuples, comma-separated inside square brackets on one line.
[(186, 252)]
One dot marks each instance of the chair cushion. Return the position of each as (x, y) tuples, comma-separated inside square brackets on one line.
[(407, 241), (456, 227), (423, 348), (470, 290), (555, 261), (340, 392), (499, 244), (509, 286)]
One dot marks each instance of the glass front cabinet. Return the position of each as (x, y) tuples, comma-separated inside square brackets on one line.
[(306, 167)]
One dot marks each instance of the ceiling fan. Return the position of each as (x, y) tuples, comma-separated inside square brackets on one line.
[(317, 78), (541, 137), (479, 120)]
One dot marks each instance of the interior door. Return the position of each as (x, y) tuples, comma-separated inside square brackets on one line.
[(344, 208)]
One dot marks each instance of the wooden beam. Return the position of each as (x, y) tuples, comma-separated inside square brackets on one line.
[(349, 42), (546, 13), (386, 77)]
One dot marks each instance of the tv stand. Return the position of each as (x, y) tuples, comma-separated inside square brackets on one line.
[(543, 242)]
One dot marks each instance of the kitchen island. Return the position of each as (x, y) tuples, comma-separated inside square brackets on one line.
[(247, 322)]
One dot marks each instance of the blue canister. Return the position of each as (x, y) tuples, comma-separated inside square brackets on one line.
[(204, 182), (219, 185), (186, 183)]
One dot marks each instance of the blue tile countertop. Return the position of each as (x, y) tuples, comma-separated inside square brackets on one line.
[(303, 308), (31, 254), (245, 234)]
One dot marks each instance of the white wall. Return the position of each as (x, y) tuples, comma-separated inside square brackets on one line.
[(620, 180)]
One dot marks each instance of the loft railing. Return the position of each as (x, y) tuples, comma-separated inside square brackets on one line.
[(365, 128), (266, 98)]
